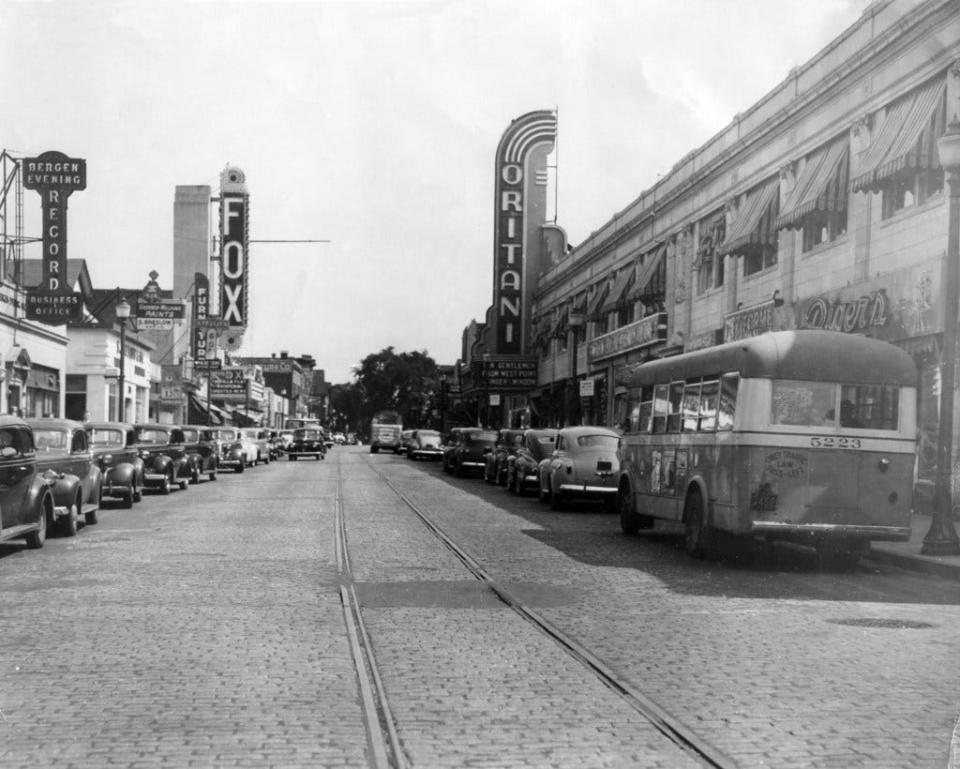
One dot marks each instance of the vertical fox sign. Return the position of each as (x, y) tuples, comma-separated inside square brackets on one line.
[(234, 240), (520, 212)]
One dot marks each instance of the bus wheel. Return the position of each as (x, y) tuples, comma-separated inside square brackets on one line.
[(839, 556), (695, 527), (629, 524)]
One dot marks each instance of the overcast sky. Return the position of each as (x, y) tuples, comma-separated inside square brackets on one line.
[(373, 125)]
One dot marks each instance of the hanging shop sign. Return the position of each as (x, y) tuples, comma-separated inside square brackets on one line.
[(228, 384), (234, 237), (520, 211), (642, 333), (758, 319), (171, 384), (199, 348), (55, 176), (508, 373)]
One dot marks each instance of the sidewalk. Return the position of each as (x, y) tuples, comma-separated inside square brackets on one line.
[(906, 555)]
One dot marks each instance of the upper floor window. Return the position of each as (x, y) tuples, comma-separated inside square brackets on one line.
[(708, 260), (907, 190)]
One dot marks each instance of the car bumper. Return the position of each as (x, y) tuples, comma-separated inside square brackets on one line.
[(428, 453), (586, 490)]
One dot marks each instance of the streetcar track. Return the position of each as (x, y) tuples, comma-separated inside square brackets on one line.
[(662, 720), (386, 751)]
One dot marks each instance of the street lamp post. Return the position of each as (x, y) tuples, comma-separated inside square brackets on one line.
[(283, 399), (575, 322), (123, 312), (942, 538)]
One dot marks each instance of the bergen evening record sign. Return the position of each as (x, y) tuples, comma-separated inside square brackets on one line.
[(55, 176)]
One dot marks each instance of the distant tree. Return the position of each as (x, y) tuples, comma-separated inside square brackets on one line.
[(346, 408), (407, 383)]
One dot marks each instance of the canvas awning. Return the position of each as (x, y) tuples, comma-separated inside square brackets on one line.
[(596, 302), (218, 417), (821, 186), (647, 284), (906, 139), (619, 294), (754, 225)]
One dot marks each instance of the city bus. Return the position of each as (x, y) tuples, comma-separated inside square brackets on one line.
[(800, 436), (386, 428)]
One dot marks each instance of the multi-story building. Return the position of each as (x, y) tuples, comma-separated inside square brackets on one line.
[(821, 206)]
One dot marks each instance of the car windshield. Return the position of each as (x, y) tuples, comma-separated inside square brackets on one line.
[(486, 436), (50, 440), (306, 435), (152, 435), (428, 435), (598, 441), (225, 435), (100, 437)]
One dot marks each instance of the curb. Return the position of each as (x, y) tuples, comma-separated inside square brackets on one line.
[(926, 564)]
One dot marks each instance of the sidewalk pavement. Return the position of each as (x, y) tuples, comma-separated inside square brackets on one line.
[(906, 555)]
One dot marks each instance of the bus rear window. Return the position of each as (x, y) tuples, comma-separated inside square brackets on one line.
[(827, 404), (870, 407), (806, 404)]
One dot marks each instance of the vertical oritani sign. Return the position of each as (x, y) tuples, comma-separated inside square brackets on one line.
[(55, 176), (520, 189), (234, 239)]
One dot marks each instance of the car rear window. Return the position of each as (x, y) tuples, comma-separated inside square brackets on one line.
[(598, 441), (100, 437)]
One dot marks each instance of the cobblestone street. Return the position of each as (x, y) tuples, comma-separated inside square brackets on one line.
[(206, 629)]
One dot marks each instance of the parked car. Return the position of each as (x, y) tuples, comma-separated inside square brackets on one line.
[(64, 457), (469, 449), (425, 444), (231, 450), (120, 463), (164, 455), (497, 462), (339, 439), (583, 464), (307, 442), (260, 438), (203, 456), (406, 441), (275, 444), (524, 471), (284, 438), (26, 496)]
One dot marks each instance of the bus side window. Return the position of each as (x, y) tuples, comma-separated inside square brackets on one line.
[(660, 409), (691, 406), (646, 409), (728, 401), (708, 406), (676, 403)]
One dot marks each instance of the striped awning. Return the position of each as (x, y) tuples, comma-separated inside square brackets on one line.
[(619, 295), (596, 301), (755, 223), (906, 139), (648, 283), (821, 186)]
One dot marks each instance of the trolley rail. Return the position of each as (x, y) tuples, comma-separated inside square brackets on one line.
[(389, 748)]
